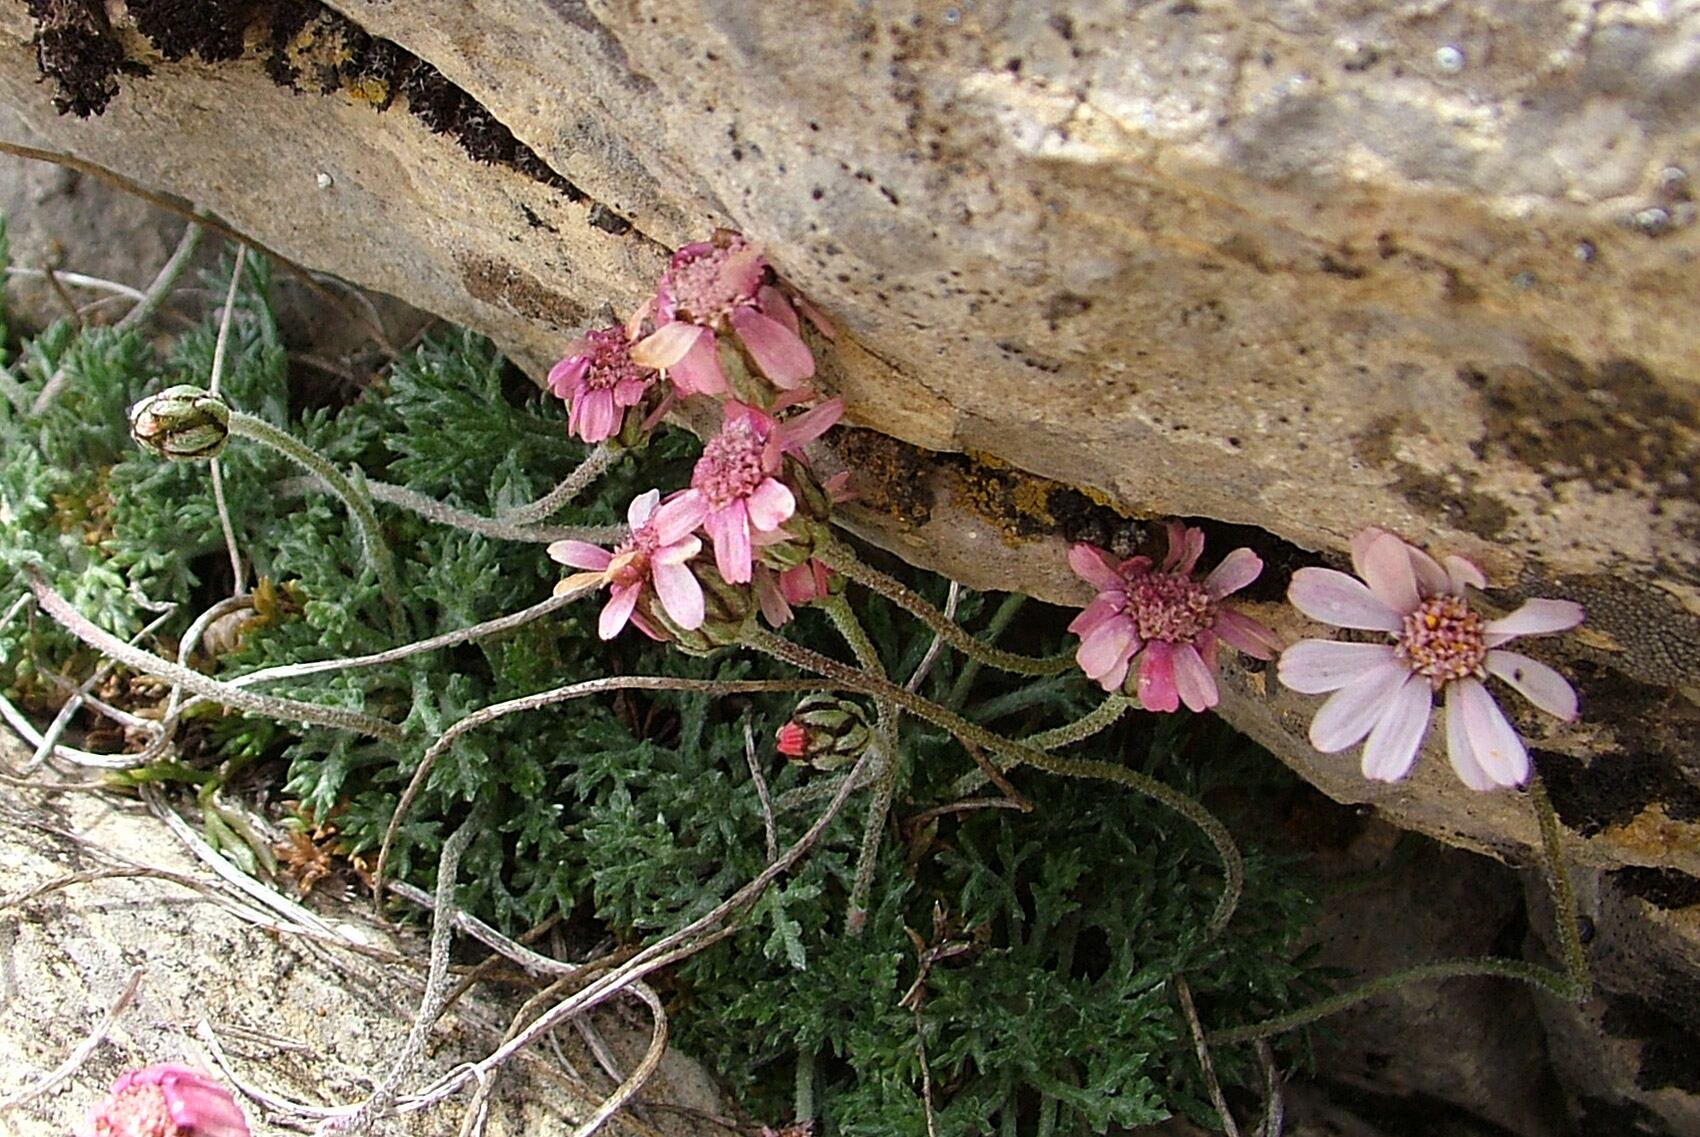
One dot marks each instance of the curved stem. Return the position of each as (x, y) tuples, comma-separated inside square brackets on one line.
[(574, 484), (1545, 978), (885, 781), (286, 710), (1099, 718), (838, 555), (1563, 896), (433, 510), (371, 537), (1232, 863)]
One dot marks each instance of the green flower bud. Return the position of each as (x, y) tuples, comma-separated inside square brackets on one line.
[(826, 732), (182, 422)]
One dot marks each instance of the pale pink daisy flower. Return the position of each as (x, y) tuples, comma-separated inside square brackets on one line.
[(711, 288), (1386, 690), (599, 381), (736, 494), (165, 1101), (1170, 622), (655, 553)]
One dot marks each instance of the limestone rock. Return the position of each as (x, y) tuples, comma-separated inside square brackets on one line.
[(1294, 267)]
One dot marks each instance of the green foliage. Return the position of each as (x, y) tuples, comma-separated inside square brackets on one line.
[(1051, 938)]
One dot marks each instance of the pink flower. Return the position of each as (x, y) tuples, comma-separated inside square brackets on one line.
[(656, 552), (710, 288), (1386, 691), (599, 380), (735, 491), (165, 1101), (1169, 621), (777, 591)]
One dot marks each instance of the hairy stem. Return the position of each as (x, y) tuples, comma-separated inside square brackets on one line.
[(371, 536), (1099, 718), (1545, 978), (284, 710), (1563, 896), (574, 484), (1000, 620), (839, 556), (970, 733), (885, 779)]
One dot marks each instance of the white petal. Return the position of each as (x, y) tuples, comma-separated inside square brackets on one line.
[(1535, 618), (1353, 710), (1459, 751), (1313, 667), (1493, 743), (1535, 681), (641, 507), (1335, 598), (1431, 578), (1392, 745), (1460, 572), (1390, 574)]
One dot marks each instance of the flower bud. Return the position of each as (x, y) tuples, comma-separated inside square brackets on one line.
[(826, 732), (182, 422)]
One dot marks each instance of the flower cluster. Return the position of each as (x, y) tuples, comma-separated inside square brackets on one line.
[(717, 309), (165, 1101), (1381, 694)]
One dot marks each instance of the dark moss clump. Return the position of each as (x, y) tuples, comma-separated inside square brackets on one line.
[(211, 29), (76, 49)]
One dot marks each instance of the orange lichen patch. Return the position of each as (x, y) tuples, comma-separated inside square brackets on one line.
[(1658, 837)]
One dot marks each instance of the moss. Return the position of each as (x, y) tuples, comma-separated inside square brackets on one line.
[(1663, 888), (211, 29)]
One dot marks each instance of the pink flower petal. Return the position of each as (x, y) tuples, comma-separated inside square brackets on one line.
[(641, 509), (580, 554), (1238, 569), (1195, 682), (1493, 743), (1186, 544), (621, 601), (204, 1109), (778, 351), (1459, 751), (1361, 542), (698, 370), (775, 609), (729, 528), (1094, 566), (599, 419), (667, 345), (680, 593), (1535, 681), (677, 553), (1313, 667), (1157, 690), (1388, 571), (1110, 644), (679, 515), (773, 303), (1105, 606), (771, 505), (1392, 745), (1242, 632), (1353, 710), (1535, 618), (811, 424), (567, 374), (1335, 598)]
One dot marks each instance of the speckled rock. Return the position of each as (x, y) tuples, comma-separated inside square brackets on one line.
[(1293, 267), (305, 1020)]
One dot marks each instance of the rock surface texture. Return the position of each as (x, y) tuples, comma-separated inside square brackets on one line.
[(1291, 267)]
